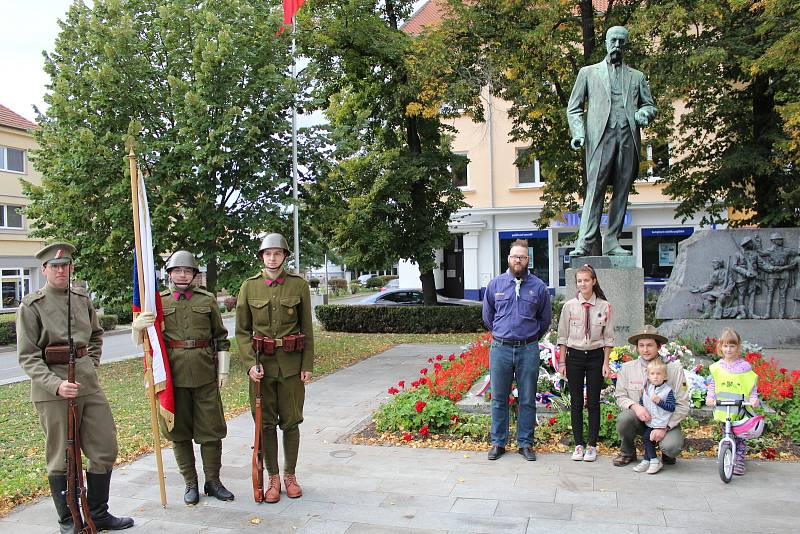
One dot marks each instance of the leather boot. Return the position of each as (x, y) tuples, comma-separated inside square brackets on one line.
[(211, 453), (58, 488), (293, 489), (273, 493), (97, 496), (184, 457)]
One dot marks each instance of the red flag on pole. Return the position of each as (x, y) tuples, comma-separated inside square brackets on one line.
[(290, 8)]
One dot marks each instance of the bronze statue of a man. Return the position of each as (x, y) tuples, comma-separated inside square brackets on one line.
[(619, 104)]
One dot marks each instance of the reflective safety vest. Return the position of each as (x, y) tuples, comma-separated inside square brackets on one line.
[(730, 386)]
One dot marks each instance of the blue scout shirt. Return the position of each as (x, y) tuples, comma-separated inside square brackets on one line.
[(509, 317)]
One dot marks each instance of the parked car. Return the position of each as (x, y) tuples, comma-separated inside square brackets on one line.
[(411, 297), (391, 284), (362, 280)]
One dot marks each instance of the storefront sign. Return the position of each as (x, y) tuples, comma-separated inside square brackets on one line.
[(524, 234), (653, 232)]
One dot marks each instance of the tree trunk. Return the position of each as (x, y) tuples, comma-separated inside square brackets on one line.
[(587, 30), (428, 288), (764, 119), (211, 274)]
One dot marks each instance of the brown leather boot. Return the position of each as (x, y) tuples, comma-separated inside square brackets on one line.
[(273, 493), (293, 489)]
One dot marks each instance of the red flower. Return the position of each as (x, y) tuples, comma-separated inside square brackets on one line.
[(415, 384), (430, 360), (420, 405), (769, 453), (407, 436), (551, 421), (463, 356), (610, 417), (437, 367), (451, 357), (423, 371), (439, 357), (424, 430), (783, 370), (402, 383), (511, 400), (392, 390), (424, 380)]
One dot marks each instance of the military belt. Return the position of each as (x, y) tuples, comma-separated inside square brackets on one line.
[(189, 343), (267, 345), (60, 353)]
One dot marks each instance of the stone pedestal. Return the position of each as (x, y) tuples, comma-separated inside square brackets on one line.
[(623, 285)]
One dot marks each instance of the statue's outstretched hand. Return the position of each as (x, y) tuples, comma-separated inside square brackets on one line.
[(576, 143), (642, 118)]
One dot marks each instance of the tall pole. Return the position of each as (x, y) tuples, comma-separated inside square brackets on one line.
[(148, 354), (296, 210)]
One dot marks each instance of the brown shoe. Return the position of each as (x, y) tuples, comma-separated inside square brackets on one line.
[(293, 489), (622, 459), (273, 493)]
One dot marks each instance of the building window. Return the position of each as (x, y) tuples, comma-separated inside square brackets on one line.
[(10, 216), (14, 284), (659, 250), (538, 251), (459, 169), (658, 160), (12, 159), (528, 172)]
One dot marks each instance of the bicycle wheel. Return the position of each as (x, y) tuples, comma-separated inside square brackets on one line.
[(725, 461)]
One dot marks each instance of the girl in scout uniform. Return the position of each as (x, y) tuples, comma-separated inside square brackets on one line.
[(585, 339), (732, 377)]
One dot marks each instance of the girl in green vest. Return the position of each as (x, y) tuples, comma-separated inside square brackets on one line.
[(732, 377)]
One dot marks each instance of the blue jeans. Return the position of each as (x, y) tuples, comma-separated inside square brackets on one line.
[(521, 364)]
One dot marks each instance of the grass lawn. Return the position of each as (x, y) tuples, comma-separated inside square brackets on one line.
[(22, 442)]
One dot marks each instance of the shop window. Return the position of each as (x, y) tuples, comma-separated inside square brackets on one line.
[(12, 159), (538, 251), (459, 169), (14, 284), (528, 172), (659, 250), (10, 216)]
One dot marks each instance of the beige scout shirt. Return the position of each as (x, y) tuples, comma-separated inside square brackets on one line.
[(571, 324), (630, 384), (42, 321)]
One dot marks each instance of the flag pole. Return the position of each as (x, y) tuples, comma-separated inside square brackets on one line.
[(296, 209), (148, 354)]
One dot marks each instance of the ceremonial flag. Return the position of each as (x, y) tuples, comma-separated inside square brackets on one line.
[(162, 379), (290, 8)]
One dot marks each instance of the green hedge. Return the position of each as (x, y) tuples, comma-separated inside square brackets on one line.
[(8, 328), (124, 313), (108, 321), (400, 319)]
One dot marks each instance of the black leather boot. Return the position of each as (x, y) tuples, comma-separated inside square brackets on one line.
[(58, 488), (191, 495), (97, 495), (216, 489)]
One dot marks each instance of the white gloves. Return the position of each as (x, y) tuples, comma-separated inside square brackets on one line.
[(142, 322), (224, 365)]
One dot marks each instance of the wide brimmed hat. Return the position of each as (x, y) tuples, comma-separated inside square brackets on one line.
[(649, 331)]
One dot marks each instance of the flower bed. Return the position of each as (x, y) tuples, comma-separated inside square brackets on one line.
[(424, 412)]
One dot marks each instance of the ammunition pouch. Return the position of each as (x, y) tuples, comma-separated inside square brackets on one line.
[(291, 343), (264, 345), (294, 342), (54, 354)]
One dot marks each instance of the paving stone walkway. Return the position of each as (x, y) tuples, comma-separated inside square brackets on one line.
[(360, 489)]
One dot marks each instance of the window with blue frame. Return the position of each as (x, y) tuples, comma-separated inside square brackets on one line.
[(660, 249), (538, 250)]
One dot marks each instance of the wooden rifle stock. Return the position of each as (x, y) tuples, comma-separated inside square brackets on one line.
[(258, 455), (75, 482)]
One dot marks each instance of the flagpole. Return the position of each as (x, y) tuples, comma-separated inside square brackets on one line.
[(148, 354), (296, 209)]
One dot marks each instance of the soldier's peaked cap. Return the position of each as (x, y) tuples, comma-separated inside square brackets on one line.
[(57, 253)]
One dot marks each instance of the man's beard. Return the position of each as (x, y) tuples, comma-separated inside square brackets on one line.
[(616, 56), (518, 269)]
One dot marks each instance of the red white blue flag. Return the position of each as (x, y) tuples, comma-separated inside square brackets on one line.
[(152, 302)]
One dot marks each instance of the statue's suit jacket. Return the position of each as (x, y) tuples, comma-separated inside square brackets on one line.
[(593, 83)]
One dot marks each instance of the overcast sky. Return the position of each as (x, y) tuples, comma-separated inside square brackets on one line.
[(26, 29)]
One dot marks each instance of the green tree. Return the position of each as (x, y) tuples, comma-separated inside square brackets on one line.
[(388, 193), (203, 91)]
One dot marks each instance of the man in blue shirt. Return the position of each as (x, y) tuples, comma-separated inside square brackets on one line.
[(516, 308)]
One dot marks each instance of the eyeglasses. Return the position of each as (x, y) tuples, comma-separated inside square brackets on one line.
[(181, 270), (519, 258)]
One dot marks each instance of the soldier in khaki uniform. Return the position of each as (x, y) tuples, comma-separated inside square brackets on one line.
[(197, 348), (42, 325), (275, 304)]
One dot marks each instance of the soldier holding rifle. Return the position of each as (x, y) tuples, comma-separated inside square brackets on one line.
[(43, 342), (197, 348), (273, 320)]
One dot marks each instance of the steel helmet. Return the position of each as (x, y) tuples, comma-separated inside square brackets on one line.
[(273, 241), (775, 235), (749, 428), (746, 239), (182, 258)]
